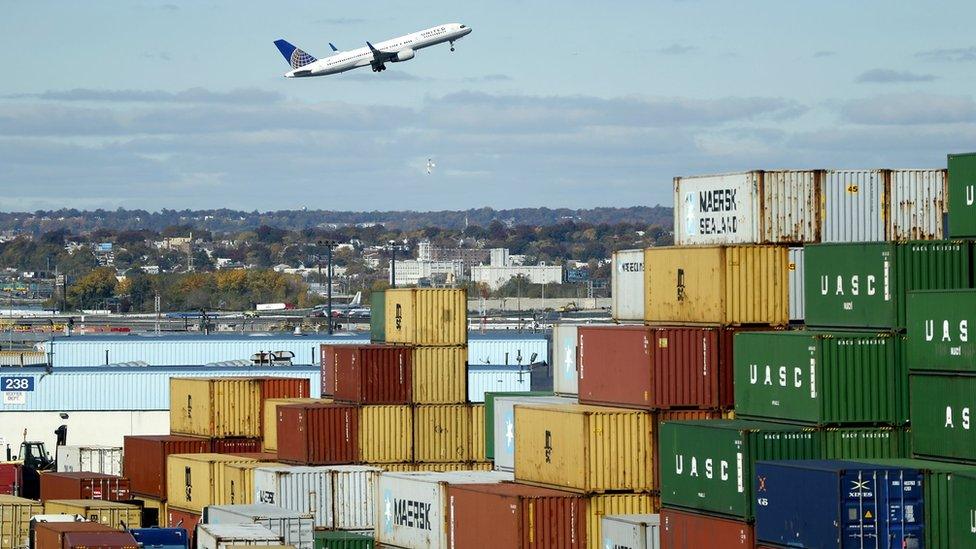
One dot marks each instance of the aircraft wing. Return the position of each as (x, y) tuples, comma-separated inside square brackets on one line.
[(380, 56)]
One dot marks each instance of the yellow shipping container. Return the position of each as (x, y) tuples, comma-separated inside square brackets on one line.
[(235, 481), (192, 479), (478, 432), (440, 375), (386, 434), (153, 511), (589, 449), (215, 407), (614, 504), (442, 433), (426, 316), (398, 467), (113, 514), (270, 419), (451, 467), (717, 285), (15, 515)]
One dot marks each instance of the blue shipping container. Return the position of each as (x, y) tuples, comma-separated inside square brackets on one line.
[(838, 505), (160, 538)]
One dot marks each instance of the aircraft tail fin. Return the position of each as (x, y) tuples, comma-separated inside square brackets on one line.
[(331, 45), (295, 57), (357, 300)]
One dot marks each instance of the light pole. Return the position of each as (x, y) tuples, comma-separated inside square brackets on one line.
[(329, 245), (392, 245)]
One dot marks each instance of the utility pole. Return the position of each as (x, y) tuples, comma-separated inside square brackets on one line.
[(156, 306), (329, 245)]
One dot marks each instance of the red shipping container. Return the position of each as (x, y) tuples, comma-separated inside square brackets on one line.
[(50, 535), (614, 364), (327, 364), (99, 540), (11, 479), (187, 520), (83, 485), (318, 434), (284, 387), (514, 515), (144, 460), (258, 456), (235, 445), (682, 530), (369, 374)]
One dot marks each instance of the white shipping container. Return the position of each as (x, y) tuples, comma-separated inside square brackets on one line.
[(294, 527), (413, 506), (564, 374), (791, 206), (918, 204), (627, 285), (797, 303), (504, 421), (338, 497), (853, 206), (353, 496), (483, 379), (717, 209), (631, 531), (90, 459), (222, 536)]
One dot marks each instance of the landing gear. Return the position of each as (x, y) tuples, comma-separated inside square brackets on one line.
[(452, 45), (378, 67)]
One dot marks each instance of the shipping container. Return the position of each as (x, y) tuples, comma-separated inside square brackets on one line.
[(235, 481), (439, 375), (11, 479), (614, 364), (503, 424), (854, 204), (864, 285), (442, 433), (99, 540), (93, 459), (487, 379), (283, 387), (223, 407), (631, 531), (318, 434), (452, 467), (426, 316), (507, 348), (84, 486), (489, 428), (269, 419), (377, 316), (367, 374), (514, 516), (246, 447), (294, 527), (627, 286), (50, 535), (797, 299), (822, 378), (791, 206), (153, 511), (225, 536), (602, 505), (735, 285), (865, 443), (161, 538), (110, 513), (888, 500), (961, 184), (385, 434), (565, 376), (188, 520), (15, 516), (940, 412), (918, 204), (191, 479), (325, 539), (589, 449), (337, 497), (145, 460), (478, 449), (412, 507), (938, 328), (684, 530)]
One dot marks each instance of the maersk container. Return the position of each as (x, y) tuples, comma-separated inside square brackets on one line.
[(295, 528), (917, 205), (821, 378), (844, 505), (484, 379), (627, 286), (338, 497), (962, 195), (503, 425), (864, 285), (941, 408), (224, 536), (92, 459), (489, 429), (631, 531), (797, 307), (854, 203), (565, 376), (411, 510), (734, 285), (938, 329)]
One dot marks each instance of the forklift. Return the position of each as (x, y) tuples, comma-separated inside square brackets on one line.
[(34, 460)]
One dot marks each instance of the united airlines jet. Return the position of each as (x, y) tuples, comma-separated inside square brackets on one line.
[(390, 51)]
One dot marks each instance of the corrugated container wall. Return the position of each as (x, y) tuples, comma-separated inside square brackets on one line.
[(386, 434), (797, 298), (368, 374), (962, 195), (101, 540), (918, 204), (145, 460), (94, 459), (225, 536), (439, 375), (442, 433), (681, 530), (426, 316), (83, 485), (235, 481), (486, 379), (565, 377), (941, 407), (632, 531), (504, 428), (109, 513), (191, 479), (717, 209), (490, 410), (938, 323), (377, 317), (791, 206), (627, 285), (215, 407), (854, 203), (15, 516), (615, 366), (602, 505), (497, 348), (692, 367), (296, 529), (269, 419), (50, 535), (318, 434), (292, 488)]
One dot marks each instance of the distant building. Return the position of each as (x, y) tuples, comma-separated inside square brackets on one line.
[(505, 267), (411, 272)]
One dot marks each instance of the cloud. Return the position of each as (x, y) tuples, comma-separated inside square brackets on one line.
[(953, 55), (824, 53), (888, 76), (677, 49), (242, 96), (909, 109)]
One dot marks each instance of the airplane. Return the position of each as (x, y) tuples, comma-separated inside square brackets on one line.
[(399, 49)]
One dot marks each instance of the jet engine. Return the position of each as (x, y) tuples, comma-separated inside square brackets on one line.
[(404, 55)]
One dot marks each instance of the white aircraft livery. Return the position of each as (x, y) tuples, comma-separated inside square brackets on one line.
[(396, 50)]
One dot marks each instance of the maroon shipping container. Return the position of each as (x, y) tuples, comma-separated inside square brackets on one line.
[(187, 520), (682, 530), (144, 460), (258, 456), (318, 434), (516, 516), (369, 374), (235, 445), (614, 364), (99, 540), (83, 485), (284, 387), (11, 479), (327, 364), (50, 535)]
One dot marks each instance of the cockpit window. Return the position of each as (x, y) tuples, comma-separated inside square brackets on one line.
[(464, 26)]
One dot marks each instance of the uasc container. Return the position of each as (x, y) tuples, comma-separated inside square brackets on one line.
[(439, 375), (442, 433), (226, 407), (295, 528), (84, 486), (941, 410), (632, 531), (145, 460), (338, 539), (627, 285), (426, 316), (938, 328), (368, 374), (615, 366), (15, 516), (386, 434), (192, 479), (684, 530), (318, 434), (110, 513), (962, 195)]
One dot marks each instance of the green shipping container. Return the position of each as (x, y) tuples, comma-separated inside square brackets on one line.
[(962, 195), (821, 378), (941, 412), (864, 285), (490, 416), (377, 316), (338, 539), (865, 443), (938, 330)]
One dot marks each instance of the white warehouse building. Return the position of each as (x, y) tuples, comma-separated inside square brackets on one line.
[(496, 276)]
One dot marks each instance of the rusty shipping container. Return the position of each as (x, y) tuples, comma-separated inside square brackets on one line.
[(110, 513), (426, 316), (369, 374), (439, 375), (99, 540), (269, 419), (918, 204), (50, 535), (144, 460), (615, 366), (318, 434), (386, 433), (84, 486), (284, 387), (181, 518), (683, 530), (514, 516), (735, 285), (192, 479), (442, 433)]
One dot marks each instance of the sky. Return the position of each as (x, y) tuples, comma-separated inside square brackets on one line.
[(148, 104)]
